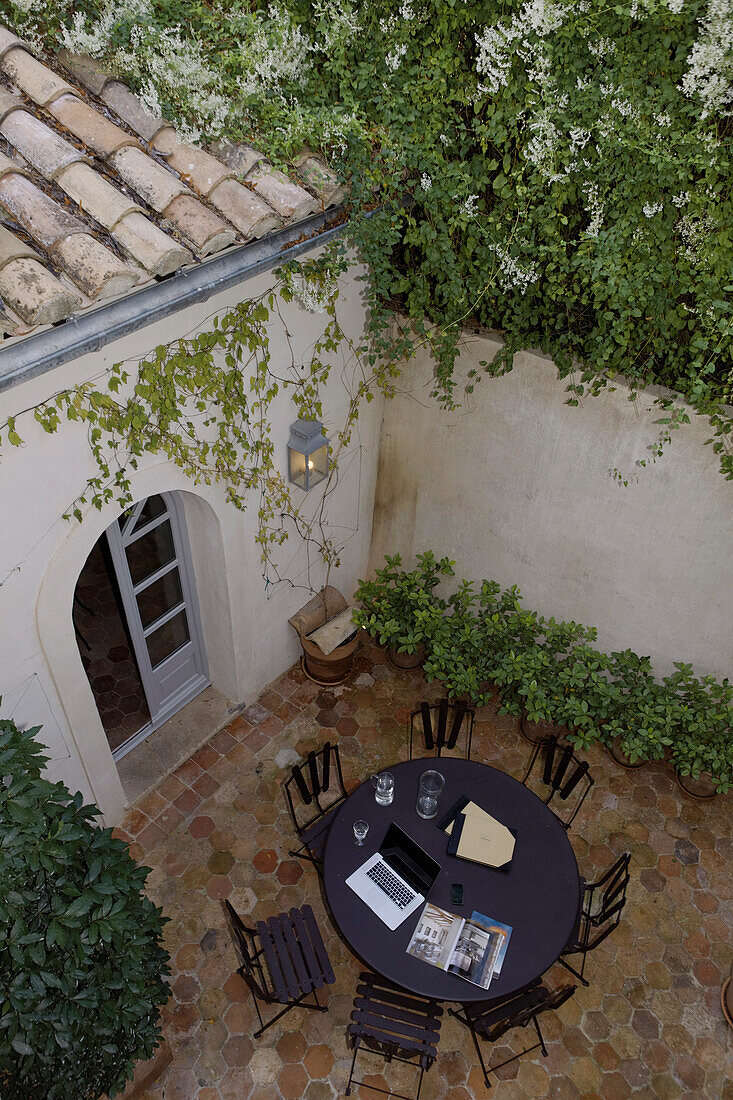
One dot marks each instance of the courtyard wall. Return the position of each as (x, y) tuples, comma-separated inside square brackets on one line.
[(517, 486)]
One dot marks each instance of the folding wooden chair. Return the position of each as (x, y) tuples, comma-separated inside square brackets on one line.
[(400, 1026), (519, 1010), (437, 727), (562, 775), (283, 960), (600, 913), (313, 790)]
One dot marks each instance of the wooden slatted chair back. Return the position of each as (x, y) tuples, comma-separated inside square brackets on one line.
[(393, 1022)]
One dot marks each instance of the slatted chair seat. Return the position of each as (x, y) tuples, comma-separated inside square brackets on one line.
[(563, 777), (518, 1011), (314, 790), (394, 1023), (600, 912), (283, 960), (436, 727)]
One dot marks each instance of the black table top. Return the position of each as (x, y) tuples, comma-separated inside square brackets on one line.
[(538, 894)]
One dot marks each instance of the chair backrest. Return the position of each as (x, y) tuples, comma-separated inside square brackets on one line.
[(519, 1010), (319, 785), (611, 888), (247, 948), (562, 774), (391, 1021), (440, 725)]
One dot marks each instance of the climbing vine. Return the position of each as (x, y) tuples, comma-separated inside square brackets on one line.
[(203, 401)]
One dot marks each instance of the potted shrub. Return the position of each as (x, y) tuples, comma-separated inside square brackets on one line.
[(639, 726), (396, 607), (456, 651), (80, 944), (702, 745)]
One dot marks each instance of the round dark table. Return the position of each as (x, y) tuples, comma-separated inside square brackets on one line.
[(538, 894)]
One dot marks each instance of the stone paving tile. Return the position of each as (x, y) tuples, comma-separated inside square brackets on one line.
[(649, 1025)]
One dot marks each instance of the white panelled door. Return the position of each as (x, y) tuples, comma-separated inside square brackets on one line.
[(152, 562)]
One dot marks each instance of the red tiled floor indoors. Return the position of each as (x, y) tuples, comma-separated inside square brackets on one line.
[(649, 1025)]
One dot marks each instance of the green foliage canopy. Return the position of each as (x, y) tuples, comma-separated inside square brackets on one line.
[(569, 164), (81, 965)]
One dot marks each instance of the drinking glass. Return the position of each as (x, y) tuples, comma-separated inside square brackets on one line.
[(361, 828), (383, 788), (428, 792)]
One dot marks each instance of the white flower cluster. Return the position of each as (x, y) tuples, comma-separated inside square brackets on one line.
[(512, 274), (342, 24), (663, 119), (682, 199), (594, 208), (469, 207), (710, 65), (311, 295), (694, 232), (393, 60), (496, 44), (541, 149), (651, 208), (445, 140), (425, 182), (406, 10), (602, 47), (95, 39), (675, 6), (275, 52)]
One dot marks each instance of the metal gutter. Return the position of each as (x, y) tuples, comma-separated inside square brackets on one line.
[(39, 353)]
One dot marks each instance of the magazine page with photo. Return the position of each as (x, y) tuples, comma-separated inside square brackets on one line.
[(468, 948)]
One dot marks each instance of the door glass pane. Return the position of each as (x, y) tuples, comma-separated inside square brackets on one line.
[(168, 638), (160, 596), (152, 508), (150, 552)]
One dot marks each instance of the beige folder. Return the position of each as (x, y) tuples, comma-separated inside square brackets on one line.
[(483, 839)]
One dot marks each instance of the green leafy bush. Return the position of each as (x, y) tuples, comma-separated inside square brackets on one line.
[(398, 607), (81, 962), (551, 672)]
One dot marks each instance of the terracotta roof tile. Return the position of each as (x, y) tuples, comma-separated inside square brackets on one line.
[(321, 179), (87, 70), (95, 270), (154, 183), (196, 166), (128, 107), (41, 84), (41, 146), (32, 292), (205, 229), (89, 126), (251, 215), (129, 179), (287, 198)]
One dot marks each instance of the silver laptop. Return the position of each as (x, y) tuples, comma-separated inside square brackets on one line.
[(395, 880)]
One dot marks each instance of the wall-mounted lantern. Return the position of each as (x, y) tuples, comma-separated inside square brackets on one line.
[(307, 453)]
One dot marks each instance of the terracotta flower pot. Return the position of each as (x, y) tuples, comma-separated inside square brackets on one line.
[(146, 1073), (535, 731), (617, 754), (406, 660), (702, 787), (726, 998)]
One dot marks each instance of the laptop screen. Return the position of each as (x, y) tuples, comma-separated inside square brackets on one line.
[(408, 859)]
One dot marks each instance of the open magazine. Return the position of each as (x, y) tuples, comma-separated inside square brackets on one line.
[(471, 948)]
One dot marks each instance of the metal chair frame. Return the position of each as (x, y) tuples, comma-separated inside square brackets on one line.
[(593, 927), (400, 1026), (441, 737), (313, 778), (557, 778), (519, 1010), (296, 972)]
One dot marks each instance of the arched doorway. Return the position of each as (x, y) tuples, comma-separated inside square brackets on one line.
[(137, 622)]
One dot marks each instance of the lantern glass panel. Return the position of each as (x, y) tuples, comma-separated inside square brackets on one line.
[(297, 470), (317, 466)]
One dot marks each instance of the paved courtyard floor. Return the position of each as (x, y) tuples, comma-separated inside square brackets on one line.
[(649, 1025)]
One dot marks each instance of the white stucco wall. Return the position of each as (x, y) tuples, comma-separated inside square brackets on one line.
[(515, 486), (248, 639)]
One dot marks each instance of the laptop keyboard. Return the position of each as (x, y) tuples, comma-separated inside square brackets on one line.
[(400, 894)]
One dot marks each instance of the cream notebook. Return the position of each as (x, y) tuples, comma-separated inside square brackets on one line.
[(478, 836)]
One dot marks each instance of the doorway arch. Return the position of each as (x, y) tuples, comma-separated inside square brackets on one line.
[(137, 622)]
